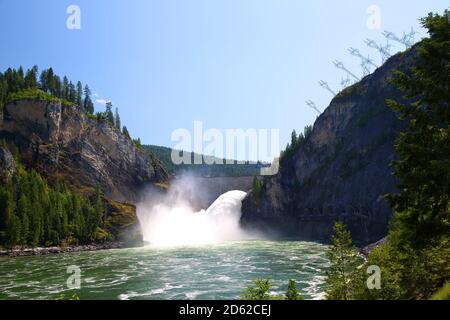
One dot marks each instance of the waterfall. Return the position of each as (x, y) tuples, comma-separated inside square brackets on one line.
[(172, 222)]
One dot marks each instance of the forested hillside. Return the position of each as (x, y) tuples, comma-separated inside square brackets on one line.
[(63, 167), (204, 170)]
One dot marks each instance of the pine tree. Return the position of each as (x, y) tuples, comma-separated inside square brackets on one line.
[(343, 258), (72, 93), (3, 91), (259, 291), (422, 208), (292, 292), (79, 94), (57, 87), (12, 222), (125, 132), (294, 138), (98, 205), (20, 78), (109, 113), (65, 88), (88, 104), (23, 209), (49, 81), (257, 187), (117, 119), (31, 78)]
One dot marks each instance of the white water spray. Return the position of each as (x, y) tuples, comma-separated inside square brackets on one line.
[(171, 221)]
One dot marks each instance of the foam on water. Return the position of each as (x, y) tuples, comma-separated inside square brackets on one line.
[(171, 222)]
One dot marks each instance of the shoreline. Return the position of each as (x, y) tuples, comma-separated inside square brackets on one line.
[(28, 251)]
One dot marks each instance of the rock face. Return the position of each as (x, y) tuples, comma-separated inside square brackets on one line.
[(342, 170), (122, 222), (7, 163), (62, 142)]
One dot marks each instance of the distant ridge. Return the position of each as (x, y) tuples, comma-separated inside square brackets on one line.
[(203, 170)]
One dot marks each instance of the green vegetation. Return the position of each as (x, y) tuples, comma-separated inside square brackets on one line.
[(297, 141), (32, 213), (228, 169), (88, 105), (260, 290), (415, 260), (257, 187), (422, 208), (442, 294), (292, 291), (109, 116), (35, 94), (137, 143), (14, 86), (344, 260)]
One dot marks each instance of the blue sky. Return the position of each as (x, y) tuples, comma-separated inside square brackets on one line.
[(229, 63)]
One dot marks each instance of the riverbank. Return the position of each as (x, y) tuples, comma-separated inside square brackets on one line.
[(27, 251), (365, 251)]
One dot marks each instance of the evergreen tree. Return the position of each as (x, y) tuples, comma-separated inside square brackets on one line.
[(109, 114), (292, 292), (257, 187), (12, 222), (32, 213), (125, 132), (23, 209), (43, 81), (31, 78), (343, 262), (57, 87), (422, 207), (65, 88), (79, 94), (72, 93), (88, 104), (20, 78), (137, 143), (3, 91), (117, 119), (260, 290), (99, 208), (294, 138), (49, 81)]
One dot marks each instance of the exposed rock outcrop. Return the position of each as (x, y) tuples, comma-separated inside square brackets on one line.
[(122, 222), (63, 142), (341, 172), (7, 163)]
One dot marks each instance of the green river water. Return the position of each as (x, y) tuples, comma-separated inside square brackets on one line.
[(219, 271)]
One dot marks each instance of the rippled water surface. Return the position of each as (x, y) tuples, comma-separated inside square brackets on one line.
[(204, 272)]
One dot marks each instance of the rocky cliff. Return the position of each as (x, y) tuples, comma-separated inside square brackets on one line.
[(63, 142), (341, 171), (7, 163)]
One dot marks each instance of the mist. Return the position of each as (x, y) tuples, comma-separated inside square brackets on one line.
[(173, 218)]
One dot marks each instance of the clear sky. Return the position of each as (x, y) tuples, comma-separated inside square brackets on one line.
[(229, 63)]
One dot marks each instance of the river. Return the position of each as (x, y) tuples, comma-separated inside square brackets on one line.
[(214, 271)]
